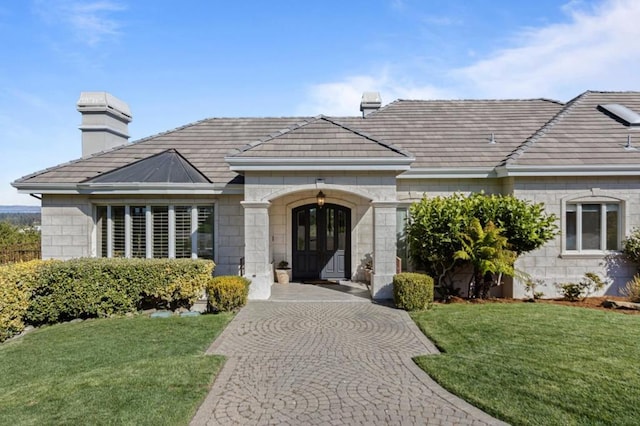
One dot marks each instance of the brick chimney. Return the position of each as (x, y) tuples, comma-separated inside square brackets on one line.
[(371, 101), (105, 120)]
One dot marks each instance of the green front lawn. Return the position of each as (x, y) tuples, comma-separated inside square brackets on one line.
[(537, 363), (109, 371)]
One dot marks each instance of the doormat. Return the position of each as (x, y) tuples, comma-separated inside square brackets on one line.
[(323, 282)]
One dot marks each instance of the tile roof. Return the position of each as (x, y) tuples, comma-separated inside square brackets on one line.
[(582, 134), (320, 137), (456, 133), (204, 144), (438, 133)]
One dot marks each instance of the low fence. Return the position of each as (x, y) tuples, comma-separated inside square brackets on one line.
[(19, 253)]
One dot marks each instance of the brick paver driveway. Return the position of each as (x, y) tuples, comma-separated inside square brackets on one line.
[(342, 361)]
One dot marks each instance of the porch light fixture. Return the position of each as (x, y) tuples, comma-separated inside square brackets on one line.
[(320, 199)]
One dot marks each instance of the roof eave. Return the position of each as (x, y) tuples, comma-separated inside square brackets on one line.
[(449, 173), (130, 188), (305, 164), (568, 170)]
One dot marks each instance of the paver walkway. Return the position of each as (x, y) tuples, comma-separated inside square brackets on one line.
[(342, 360)]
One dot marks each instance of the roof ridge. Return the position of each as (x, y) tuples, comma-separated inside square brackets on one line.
[(371, 138), (195, 123), (173, 151), (531, 140), (315, 119), (555, 101), (274, 135), (612, 92), (383, 108), (139, 160), (189, 163)]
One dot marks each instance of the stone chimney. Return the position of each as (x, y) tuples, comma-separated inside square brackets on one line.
[(105, 120), (371, 101)]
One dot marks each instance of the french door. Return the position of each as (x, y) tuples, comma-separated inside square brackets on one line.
[(321, 242)]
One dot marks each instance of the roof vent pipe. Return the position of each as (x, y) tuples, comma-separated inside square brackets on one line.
[(629, 146), (371, 101), (105, 121), (492, 138)]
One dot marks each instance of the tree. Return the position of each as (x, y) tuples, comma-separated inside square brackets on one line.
[(11, 235), (433, 234), (487, 251), (437, 226)]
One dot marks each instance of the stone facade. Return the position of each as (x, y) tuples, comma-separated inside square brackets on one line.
[(270, 198), (264, 216), (553, 264), (67, 225)]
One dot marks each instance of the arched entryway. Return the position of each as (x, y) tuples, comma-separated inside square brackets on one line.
[(321, 246)]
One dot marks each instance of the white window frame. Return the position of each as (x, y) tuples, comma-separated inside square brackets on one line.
[(593, 197), (149, 225)]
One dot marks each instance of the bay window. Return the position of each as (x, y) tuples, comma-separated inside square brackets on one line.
[(158, 231)]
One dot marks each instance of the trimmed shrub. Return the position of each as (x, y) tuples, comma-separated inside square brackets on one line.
[(16, 281), (84, 288), (227, 293), (412, 292)]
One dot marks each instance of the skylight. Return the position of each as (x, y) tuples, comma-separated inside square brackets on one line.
[(622, 113)]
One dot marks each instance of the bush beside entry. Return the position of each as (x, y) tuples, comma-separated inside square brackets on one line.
[(227, 293), (412, 292)]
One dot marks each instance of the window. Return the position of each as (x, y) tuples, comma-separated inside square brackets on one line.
[(204, 234), (158, 231), (592, 226), (117, 219), (138, 231), (160, 227), (183, 232), (402, 249)]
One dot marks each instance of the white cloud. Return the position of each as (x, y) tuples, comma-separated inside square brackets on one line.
[(594, 50), (92, 22), (343, 97)]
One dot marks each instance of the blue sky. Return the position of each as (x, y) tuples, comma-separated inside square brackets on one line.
[(178, 62)]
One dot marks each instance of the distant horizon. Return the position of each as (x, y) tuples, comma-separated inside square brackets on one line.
[(20, 208)]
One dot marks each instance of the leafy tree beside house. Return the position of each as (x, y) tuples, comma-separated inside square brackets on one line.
[(487, 232), (487, 251)]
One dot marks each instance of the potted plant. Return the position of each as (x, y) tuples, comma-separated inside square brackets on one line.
[(282, 272)]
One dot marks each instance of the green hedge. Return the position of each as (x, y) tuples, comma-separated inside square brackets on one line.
[(227, 293), (16, 281), (412, 292), (84, 288)]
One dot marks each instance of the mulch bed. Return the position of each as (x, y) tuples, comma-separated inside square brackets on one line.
[(589, 303)]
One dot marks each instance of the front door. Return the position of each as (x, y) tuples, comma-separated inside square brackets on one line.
[(321, 242)]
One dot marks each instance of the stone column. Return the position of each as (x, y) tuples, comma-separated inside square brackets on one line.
[(384, 249), (256, 249)]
